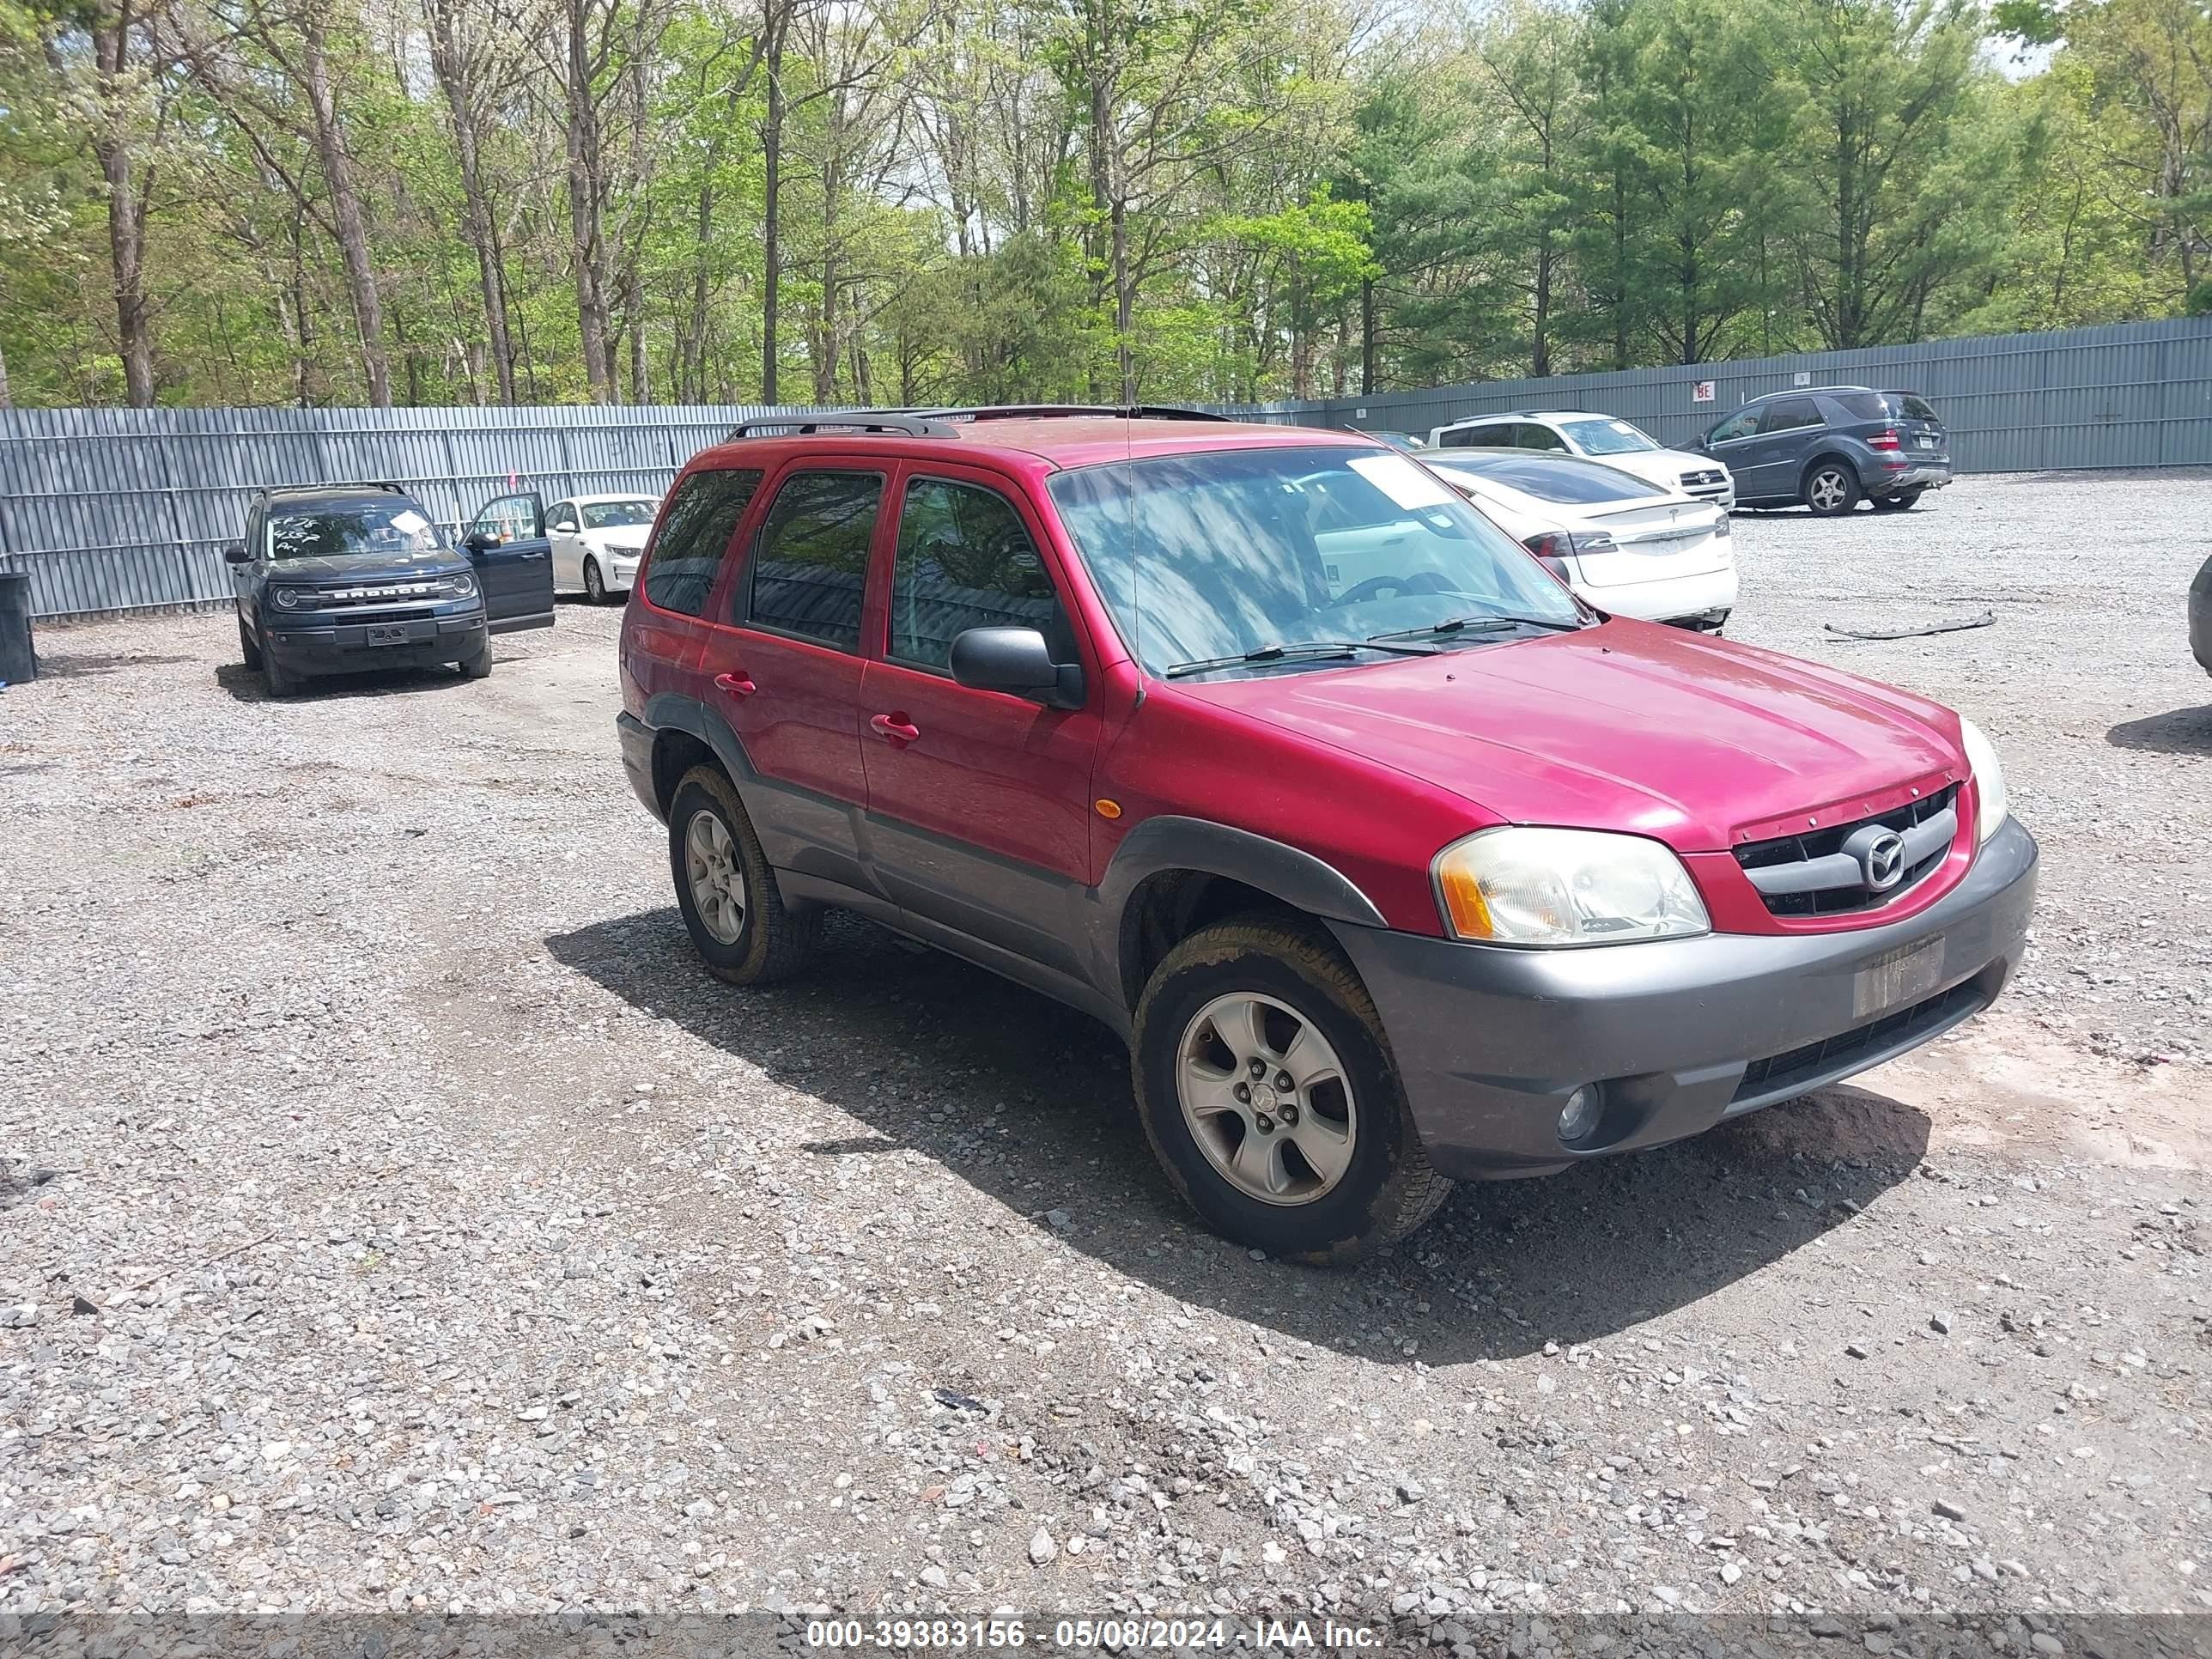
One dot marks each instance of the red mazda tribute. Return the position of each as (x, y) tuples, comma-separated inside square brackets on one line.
[(1394, 862)]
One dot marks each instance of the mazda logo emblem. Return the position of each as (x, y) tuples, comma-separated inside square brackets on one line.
[(1879, 854), (1882, 860)]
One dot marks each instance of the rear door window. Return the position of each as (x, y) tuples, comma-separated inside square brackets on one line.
[(688, 554), (810, 567), (1480, 437), (1788, 414), (1530, 434)]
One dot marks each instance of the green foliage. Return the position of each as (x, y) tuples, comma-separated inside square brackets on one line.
[(1290, 196)]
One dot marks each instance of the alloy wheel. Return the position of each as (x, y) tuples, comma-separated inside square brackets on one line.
[(1266, 1099), (1827, 490), (718, 885)]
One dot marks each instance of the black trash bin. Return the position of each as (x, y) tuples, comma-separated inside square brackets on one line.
[(18, 662)]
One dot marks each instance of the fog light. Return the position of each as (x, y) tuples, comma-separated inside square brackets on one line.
[(1581, 1115)]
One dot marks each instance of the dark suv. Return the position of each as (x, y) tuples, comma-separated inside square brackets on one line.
[(1830, 447), (336, 579), (1393, 861)]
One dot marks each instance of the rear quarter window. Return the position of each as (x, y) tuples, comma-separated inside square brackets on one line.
[(687, 556), (1862, 405), (1912, 407)]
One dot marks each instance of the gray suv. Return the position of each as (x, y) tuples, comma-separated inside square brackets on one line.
[(1831, 446)]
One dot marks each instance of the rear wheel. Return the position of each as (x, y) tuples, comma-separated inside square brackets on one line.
[(1900, 501), (1831, 488), (1265, 1085), (726, 889)]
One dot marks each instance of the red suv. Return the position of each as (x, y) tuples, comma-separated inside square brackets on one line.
[(1394, 863)]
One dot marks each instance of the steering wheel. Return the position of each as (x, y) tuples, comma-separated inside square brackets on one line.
[(1421, 581)]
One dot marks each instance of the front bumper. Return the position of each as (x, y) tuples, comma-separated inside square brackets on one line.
[(1490, 1042), (321, 648)]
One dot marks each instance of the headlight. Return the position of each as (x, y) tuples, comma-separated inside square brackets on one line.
[(459, 585), (1989, 780), (1524, 886), (290, 598)]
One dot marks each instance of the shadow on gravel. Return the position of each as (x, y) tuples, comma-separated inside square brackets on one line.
[(921, 1047), (245, 684), (2177, 731), (84, 664)]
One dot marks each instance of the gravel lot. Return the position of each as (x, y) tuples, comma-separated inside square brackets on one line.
[(395, 1216)]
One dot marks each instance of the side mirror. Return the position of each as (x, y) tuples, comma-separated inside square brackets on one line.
[(481, 541), (235, 555), (1015, 660)]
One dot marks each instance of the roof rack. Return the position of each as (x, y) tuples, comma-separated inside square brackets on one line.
[(1076, 411), (335, 483), (899, 422)]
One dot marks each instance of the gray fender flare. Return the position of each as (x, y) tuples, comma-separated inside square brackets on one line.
[(1275, 867), (668, 712)]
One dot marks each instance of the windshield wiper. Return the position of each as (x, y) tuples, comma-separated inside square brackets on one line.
[(1305, 651), (1486, 623)]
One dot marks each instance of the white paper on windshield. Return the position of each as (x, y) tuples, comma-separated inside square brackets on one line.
[(1405, 482), (407, 522)]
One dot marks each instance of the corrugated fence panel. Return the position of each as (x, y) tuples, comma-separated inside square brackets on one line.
[(111, 509), (2126, 395), (129, 510)]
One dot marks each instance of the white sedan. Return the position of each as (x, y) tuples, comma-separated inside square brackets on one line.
[(1628, 546), (597, 542)]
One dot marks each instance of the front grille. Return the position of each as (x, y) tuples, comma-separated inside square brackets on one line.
[(1812, 875), (1706, 484), (1802, 1067), (380, 593)]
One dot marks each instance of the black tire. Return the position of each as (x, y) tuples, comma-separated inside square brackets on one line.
[(1387, 1190), (477, 667), (249, 647), (772, 941), (1839, 499), (595, 585), (274, 680), (1900, 503)]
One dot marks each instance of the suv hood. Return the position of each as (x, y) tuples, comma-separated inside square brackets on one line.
[(1629, 725), (351, 568)]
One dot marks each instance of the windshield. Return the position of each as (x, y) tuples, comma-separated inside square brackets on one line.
[(333, 530), (1221, 554), (1606, 437), (1550, 478), (607, 515)]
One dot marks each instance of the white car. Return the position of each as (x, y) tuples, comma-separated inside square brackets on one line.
[(597, 540), (1626, 545), (1595, 438)]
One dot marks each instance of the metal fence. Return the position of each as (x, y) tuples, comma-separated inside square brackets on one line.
[(115, 510), (129, 510), (2127, 395)]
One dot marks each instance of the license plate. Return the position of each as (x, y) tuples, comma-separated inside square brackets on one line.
[(1901, 977), (386, 633), (1927, 443)]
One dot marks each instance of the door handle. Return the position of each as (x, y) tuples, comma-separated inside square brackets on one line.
[(737, 685), (894, 728)]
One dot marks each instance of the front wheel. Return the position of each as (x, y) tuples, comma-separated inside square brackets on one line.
[(249, 647), (274, 679), (1831, 489), (1267, 1091), (1900, 501), (595, 585), (477, 667)]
